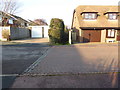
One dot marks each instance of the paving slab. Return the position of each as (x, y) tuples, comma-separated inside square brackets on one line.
[(78, 59)]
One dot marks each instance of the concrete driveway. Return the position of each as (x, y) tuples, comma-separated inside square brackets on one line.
[(79, 59), (74, 66)]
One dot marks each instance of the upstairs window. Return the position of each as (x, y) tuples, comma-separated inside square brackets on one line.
[(10, 21), (112, 16), (90, 16)]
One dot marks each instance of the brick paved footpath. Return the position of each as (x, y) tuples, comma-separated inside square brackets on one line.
[(79, 59), (81, 66)]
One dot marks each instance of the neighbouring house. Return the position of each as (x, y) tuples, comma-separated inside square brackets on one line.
[(38, 30), (13, 27), (96, 24), (7, 19)]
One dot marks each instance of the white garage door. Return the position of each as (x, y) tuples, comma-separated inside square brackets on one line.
[(36, 32)]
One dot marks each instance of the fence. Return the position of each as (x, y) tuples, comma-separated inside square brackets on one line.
[(19, 33)]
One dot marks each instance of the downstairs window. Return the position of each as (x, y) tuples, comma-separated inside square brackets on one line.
[(110, 33)]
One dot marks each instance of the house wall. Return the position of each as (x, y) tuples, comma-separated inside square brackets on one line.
[(76, 28), (19, 33), (103, 35), (81, 35), (46, 31)]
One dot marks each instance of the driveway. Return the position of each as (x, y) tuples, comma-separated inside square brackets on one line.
[(79, 59), (74, 66)]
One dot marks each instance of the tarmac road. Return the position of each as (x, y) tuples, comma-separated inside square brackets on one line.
[(16, 58)]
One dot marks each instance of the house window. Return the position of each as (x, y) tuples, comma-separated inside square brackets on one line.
[(112, 16), (10, 21), (90, 16), (22, 24), (26, 24), (110, 33)]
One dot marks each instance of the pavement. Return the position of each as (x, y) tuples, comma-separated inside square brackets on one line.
[(68, 81), (74, 66), (33, 40)]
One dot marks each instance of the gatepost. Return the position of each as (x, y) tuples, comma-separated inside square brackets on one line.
[(70, 36)]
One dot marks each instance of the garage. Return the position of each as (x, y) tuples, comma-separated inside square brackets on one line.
[(39, 31), (91, 35)]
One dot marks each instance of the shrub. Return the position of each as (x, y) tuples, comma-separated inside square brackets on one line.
[(57, 32), (5, 34), (54, 35)]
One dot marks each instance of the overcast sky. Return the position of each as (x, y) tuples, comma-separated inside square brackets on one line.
[(63, 9)]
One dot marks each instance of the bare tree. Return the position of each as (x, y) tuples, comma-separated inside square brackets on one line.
[(9, 6), (40, 21)]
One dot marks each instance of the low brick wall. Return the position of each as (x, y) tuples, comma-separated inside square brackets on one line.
[(19, 33)]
